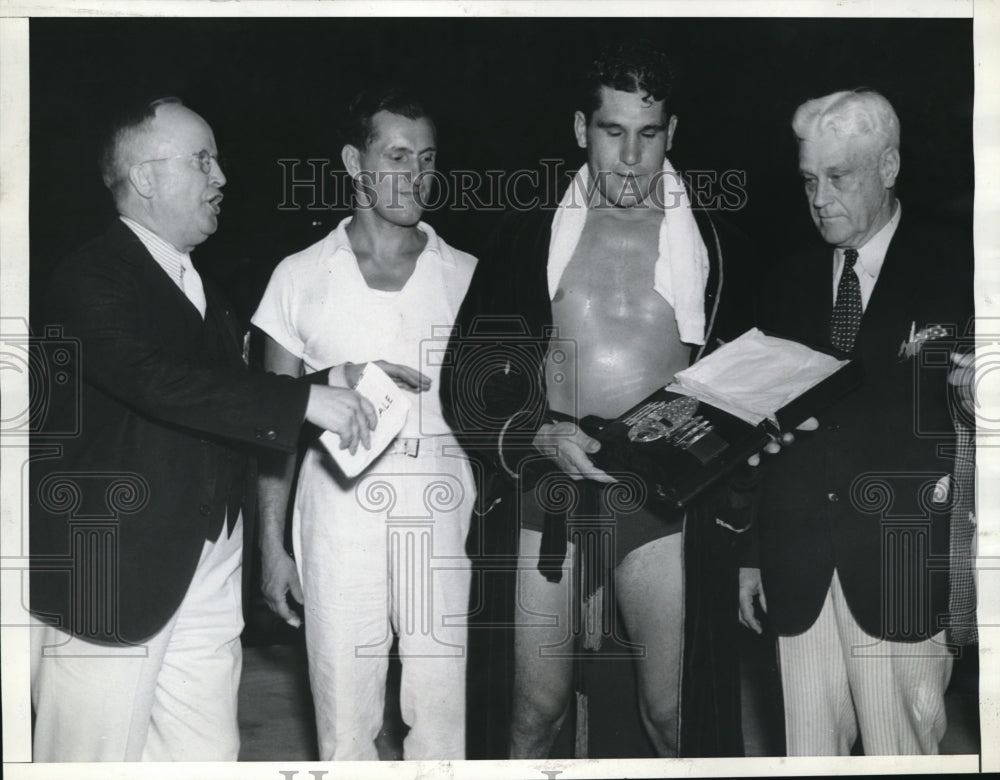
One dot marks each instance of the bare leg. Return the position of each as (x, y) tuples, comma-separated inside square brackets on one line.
[(542, 683), (650, 591)]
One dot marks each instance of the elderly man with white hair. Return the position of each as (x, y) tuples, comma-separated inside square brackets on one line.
[(851, 560)]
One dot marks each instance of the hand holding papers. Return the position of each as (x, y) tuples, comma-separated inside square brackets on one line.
[(391, 406), (690, 434)]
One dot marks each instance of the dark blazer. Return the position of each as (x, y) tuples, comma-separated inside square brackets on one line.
[(493, 395), (144, 454), (856, 494)]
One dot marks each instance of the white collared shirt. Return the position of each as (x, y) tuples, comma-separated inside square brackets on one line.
[(166, 255), (870, 259), (319, 307)]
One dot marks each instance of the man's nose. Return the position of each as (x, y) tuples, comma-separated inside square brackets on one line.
[(821, 195), (630, 150), (216, 176)]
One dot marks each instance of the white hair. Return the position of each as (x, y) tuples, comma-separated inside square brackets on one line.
[(859, 113)]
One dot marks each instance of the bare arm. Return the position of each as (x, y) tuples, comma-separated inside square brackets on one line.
[(279, 575)]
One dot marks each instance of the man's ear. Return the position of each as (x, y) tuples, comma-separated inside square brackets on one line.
[(580, 129), (888, 167), (351, 157), (671, 127), (138, 177)]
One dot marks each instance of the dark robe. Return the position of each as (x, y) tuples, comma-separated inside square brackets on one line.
[(493, 392)]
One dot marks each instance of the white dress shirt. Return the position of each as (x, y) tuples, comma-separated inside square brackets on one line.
[(177, 264)]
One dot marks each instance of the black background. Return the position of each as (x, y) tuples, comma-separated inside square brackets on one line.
[(502, 94)]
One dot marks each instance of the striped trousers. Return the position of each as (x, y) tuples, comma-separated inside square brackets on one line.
[(837, 679)]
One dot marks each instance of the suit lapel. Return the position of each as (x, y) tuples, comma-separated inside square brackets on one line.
[(166, 295), (886, 308), (168, 302), (812, 295), (217, 315)]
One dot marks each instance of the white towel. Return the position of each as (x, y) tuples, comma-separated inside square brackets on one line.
[(681, 271)]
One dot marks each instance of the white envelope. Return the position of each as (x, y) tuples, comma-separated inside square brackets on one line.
[(392, 406)]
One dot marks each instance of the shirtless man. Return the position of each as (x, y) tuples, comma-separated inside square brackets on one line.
[(619, 294)]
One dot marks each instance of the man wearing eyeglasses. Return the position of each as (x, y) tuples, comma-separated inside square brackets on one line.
[(137, 516)]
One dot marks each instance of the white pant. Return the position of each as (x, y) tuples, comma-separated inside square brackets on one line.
[(172, 698), (836, 677), (381, 553)]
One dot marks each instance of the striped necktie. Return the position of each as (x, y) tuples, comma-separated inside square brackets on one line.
[(847, 310)]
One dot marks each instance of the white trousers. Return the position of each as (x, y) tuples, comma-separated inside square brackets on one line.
[(172, 698), (385, 553), (837, 678)]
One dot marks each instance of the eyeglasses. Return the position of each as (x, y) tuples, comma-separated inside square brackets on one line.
[(204, 157)]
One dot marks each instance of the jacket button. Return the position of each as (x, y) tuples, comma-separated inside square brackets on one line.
[(832, 497), (271, 435), (205, 509), (258, 433)]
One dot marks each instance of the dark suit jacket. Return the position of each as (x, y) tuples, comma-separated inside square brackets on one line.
[(150, 447), (856, 494), (493, 383)]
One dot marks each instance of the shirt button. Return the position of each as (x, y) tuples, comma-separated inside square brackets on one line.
[(205, 509), (832, 497)]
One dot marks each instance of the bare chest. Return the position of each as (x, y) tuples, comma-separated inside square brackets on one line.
[(609, 280), (388, 275)]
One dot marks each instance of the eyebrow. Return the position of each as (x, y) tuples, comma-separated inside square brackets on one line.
[(406, 148), (837, 170), (604, 125)]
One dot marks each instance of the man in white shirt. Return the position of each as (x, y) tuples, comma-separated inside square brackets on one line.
[(382, 553)]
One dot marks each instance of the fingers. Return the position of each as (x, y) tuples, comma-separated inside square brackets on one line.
[(361, 420), (750, 586), (598, 475), (747, 617), (295, 590), (371, 417), (754, 460), (964, 373), (285, 612), (964, 360), (570, 448), (773, 447), (962, 378), (405, 376), (811, 424), (587, 443), (280, 579), (352, 373)]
